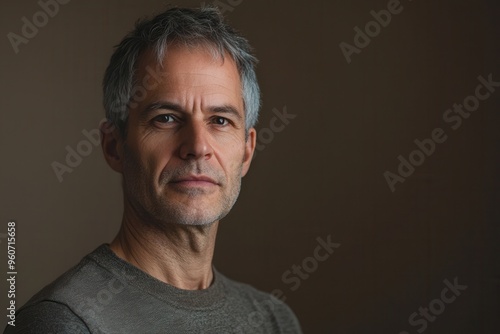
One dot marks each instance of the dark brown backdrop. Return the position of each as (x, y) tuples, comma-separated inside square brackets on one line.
[(320, 175)]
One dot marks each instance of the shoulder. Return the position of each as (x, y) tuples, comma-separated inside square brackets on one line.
[(59, 304), (47, 317), (263, 303), (243, 291), (86, 275)]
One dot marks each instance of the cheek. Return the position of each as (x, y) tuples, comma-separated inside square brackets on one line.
[(148, 156), (234, 161), (156, 156)]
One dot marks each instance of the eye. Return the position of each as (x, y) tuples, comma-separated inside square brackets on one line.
[(164, 118), (221, 121)]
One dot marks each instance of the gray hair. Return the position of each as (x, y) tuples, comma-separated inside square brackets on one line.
[(191, 27)]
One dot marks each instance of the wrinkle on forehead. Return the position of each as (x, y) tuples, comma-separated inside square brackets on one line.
[(188, 70)]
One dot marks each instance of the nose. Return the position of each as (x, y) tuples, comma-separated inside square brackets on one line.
[(195, 142)]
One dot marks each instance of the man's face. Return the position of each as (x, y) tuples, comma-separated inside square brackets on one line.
[(186, 151)]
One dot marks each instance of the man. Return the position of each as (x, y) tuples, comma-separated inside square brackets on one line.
[(181, 101)]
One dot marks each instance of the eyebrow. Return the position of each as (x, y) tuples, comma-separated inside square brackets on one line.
[(163, 105), (224, 109)]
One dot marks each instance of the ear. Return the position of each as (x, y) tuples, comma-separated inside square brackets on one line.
[(112, 145), (249, 150)]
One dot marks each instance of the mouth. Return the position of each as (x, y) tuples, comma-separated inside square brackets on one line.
[(194, 181)]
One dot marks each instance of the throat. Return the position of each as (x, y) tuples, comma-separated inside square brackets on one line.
[(180, 256)]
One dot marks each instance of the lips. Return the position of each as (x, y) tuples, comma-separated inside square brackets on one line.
[(194, 179)]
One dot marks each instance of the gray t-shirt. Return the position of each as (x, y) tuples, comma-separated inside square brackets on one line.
[(104, 294)]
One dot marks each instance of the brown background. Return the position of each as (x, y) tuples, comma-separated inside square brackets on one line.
[(322, 175)]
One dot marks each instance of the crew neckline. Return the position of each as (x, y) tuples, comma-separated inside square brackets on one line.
[(205, 299)]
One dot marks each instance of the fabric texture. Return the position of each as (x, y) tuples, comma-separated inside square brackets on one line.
[(104, 294)]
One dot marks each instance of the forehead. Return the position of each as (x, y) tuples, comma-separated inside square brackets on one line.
[(190, 70)]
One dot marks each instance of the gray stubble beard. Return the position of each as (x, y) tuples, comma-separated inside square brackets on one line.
[(155, 212)]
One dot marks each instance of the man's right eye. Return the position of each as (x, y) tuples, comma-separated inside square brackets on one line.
[(165, 118)]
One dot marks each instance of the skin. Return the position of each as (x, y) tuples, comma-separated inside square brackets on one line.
[(181, 161)]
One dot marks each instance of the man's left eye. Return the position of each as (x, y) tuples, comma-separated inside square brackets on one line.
[(221, 121)]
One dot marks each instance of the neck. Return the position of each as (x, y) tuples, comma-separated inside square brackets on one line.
[(178, 255)]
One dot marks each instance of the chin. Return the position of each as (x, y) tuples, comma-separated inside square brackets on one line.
[(190, 217)]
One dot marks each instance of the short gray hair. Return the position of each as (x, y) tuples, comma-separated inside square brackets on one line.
[(191, 27)]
